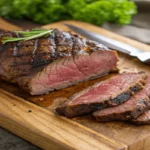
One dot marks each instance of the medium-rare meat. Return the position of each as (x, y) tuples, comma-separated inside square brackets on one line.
[(110, 92), (129, 110), (143, 118), (55, 62)]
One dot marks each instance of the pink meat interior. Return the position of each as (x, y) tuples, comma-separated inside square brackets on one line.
[(71, 70), (128, 105), (107, 89)]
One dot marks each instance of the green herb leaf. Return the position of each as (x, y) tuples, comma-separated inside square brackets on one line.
[(27, 35)]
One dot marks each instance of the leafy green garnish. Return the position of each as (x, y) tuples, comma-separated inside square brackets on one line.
[(27, 35), (99, 11), (48, 11)]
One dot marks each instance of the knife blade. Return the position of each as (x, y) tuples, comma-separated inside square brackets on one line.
[(113, 44)]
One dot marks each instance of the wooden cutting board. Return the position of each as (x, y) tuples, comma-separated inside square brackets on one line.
[(33, 117)]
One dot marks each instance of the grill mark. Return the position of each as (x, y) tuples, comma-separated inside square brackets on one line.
[(44, 45), (38, 62), (29, 54), (55, 55), (35, 47), (76, 45), (34, 65), (71, 41), (73, 45), (15, 50), (16, 47), (52, 37), (52, 46)]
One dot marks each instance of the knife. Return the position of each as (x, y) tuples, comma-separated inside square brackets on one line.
[(113, 44)]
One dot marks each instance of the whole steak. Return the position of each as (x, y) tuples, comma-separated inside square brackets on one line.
[(54, 62)]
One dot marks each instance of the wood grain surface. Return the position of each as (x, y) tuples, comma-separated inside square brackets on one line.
[(7, 26), (39, 124)]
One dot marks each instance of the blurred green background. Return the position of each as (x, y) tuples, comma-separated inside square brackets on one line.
[(48, 11)]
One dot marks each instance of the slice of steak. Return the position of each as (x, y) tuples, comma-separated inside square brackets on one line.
[(58, 61), (129, 110), (110, 92), (143, 119)]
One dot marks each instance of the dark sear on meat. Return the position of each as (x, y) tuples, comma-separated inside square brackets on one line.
[(55, 62), (129, 110), (145, 117), (111, 92)]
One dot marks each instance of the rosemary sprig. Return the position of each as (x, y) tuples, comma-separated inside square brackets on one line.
[(27, 35)]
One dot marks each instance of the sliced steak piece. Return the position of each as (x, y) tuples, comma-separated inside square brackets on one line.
[(55, 62), (129, 110), (143, 118), (110, 92)]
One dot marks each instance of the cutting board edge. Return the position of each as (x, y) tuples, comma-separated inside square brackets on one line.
[(13, 118)]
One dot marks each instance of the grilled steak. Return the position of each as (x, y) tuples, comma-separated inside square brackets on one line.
[(128, 110), (110, 92), (58, 61)]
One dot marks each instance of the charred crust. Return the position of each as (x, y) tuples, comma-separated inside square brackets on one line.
[(121, 98), (22, 57), (76, 110), (129, 115), (72, 111)]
